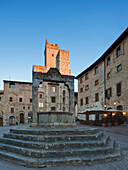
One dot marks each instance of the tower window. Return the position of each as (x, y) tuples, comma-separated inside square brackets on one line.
[(12, 85), (52, 55), (10, 99), (20, 85)]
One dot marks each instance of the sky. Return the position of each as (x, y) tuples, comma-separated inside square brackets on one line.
[(84, 27)]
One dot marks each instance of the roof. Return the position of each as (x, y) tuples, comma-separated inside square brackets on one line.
[(11, 81), (105, 54), (101, 111)]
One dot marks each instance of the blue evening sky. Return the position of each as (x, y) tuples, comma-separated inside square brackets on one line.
[(84, 27)]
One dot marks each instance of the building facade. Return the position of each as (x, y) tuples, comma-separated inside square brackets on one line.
[(16, 103), (104, 85), (53, 89)]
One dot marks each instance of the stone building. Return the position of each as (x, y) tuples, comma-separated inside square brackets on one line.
[(54, 58), (104, 85), (53, 89), (16, 103)]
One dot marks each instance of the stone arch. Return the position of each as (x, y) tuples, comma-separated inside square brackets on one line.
[(119, 107), (109, 108), (1, 121)]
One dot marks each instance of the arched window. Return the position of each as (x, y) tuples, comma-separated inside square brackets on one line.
[(109, 108), (119, 107)]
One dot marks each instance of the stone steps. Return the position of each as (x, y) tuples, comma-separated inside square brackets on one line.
[(49, 162), (56, 131), (54, 138), (54, 145), (36, 153)]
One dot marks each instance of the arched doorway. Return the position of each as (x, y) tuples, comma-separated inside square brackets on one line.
[(11, 120), (1, 121), (119, 107), (22, 118), (109, 108)]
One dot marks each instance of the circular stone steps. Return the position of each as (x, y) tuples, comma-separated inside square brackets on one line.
[(37, 147)]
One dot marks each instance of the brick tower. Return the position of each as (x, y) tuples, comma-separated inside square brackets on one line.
[(54, 58)]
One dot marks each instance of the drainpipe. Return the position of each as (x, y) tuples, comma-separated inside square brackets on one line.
[(104, 84)]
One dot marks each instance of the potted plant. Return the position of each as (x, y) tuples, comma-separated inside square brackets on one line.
[(115, 119), (104, 121), (109, 121), (124, 119)]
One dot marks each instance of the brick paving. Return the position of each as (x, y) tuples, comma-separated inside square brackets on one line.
[(119, 133)]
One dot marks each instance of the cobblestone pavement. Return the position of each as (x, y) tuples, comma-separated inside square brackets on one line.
[(119, 133)]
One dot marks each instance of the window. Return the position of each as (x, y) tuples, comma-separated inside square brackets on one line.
[(12, 85), (108, 75), (20, 85), (53, 99), (118, 51), (86, 100), (96, 69), (81, 89), (86, 87), (20, 99), (118, 88), (40, 96), (119, 67), (53, 108), (52, 55), (63, 109), (108, 93), (29, 86), (63, 92), (0, 98), (81, 79), (108, 60), (12, 110), (53, 89), (28, 107), (30, 100), (40, 104), (23, 107), (86, 76), (96, 97), (63, 100), (81, 102), (96, 82), (10, 99)]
